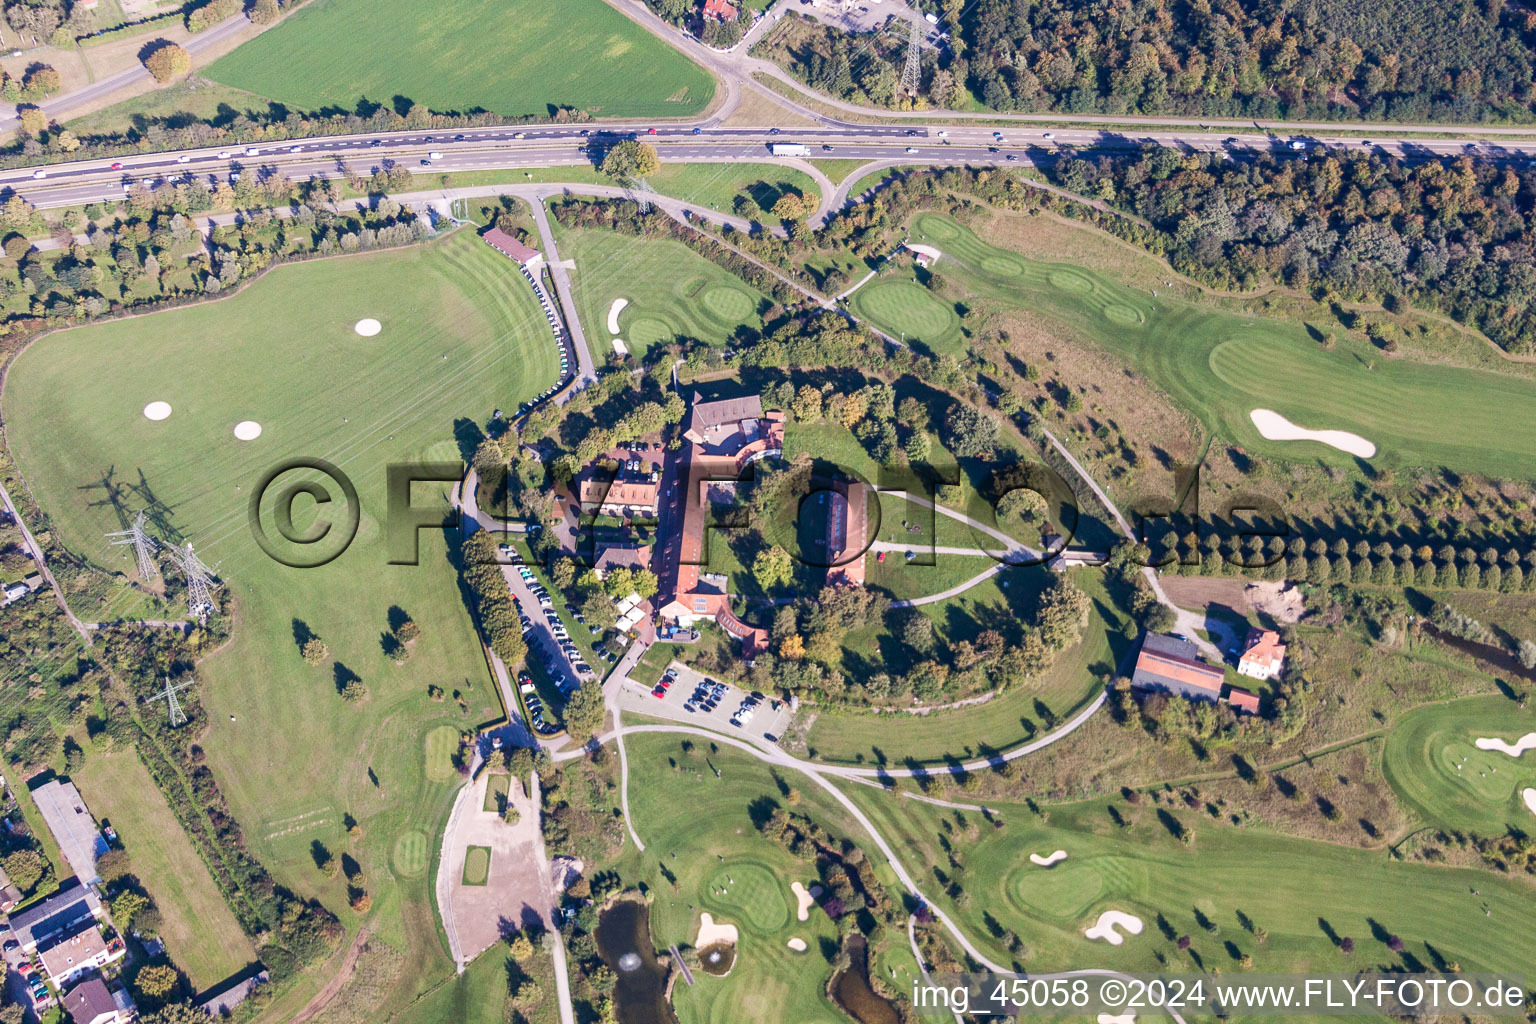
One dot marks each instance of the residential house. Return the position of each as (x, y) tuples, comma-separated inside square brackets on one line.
[(719, 10), (73, 828), (1171, 664), (622, 498), (712, 424), (63, 913), (633, 557), (69, 955), (10, 896), (91, 1002), (1263, 655)]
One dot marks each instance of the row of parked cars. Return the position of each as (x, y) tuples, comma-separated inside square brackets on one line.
[(748, 708), (534, 705), (572, 654), (706, 696)]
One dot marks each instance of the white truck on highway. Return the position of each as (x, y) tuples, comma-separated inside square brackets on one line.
[(788, 149)]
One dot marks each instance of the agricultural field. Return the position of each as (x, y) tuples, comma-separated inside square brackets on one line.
[(1219, 365), (713, 859), (449, 56), (1315, 894), (1436, 767), (200, 932), (670, 292), (460, 335)]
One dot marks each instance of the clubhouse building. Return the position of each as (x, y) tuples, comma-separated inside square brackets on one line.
[(1171, 665)]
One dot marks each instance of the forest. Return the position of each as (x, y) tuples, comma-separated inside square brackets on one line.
[(1405, 60)]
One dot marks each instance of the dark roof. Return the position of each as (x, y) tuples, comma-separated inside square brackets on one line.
[(88, 1000), (223, 1000), (59, 913), (1172, 663), (725, 410)]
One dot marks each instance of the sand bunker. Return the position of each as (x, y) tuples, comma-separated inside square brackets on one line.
[(613, 314), (1046, 862), (796, 944), (157, 410), (247, 430), (1520, 746), (367, 327), (807, 901), (712, 932), (1109, 921), (1117, 1018), (620, 347), (1275, 427), (1529, 796)]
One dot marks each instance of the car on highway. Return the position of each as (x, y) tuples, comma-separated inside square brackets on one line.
[(184, 159), (698, 131), (39, 174), (435, 155), (253, 151), (295, 149), (911, 149), (650, 131), (1010, 156), (1048, 135), (826, 148), (117, 165), (1299, 146), (426, 163)]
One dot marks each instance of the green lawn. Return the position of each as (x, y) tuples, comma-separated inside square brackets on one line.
[(698, 829), (1434, 765), (461, 335), (512, 57), (671, 292), (201, 935), (1310, 889), (1220, 365), (496, 788), (477, 865), (716, 186)]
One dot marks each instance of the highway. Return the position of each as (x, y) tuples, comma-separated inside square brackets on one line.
[(75, 183)]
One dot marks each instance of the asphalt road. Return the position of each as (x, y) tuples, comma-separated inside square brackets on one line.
[(67, 184)]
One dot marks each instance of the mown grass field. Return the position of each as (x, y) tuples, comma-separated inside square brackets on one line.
[(1311, 892), (672, 293), (698, 829), (461, 335), (512, 57), (201, 934), (1434, 765), (1220, 365)]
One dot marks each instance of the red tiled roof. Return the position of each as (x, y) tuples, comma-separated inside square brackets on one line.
[(1191, 673), (509, 246), (719, 9), (619, 492), (1263, 647), (1241, 698)]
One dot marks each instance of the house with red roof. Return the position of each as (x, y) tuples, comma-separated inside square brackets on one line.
[(1263, 655), (719, 10)]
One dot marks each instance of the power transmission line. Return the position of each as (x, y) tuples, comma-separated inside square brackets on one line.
[(172, 705), (200, 582), (144, 547)]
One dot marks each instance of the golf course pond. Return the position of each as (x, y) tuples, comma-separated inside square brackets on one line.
[(624, 942), (853, 992)]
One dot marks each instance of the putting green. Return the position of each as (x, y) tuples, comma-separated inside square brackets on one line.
[(1065, 892), (748, 894), (477, 865), (496, 788), (1071, 281), (440, 744), (729, 305), (1431, 761), (909, 307), (647, 331), (410, 854), (1125, 316)]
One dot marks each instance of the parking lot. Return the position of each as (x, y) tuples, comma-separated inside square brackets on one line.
[(766, 721)]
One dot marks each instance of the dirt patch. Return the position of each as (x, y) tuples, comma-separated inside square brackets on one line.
[(516, 887), (1203, 591), (1277, 599), (326, 994)]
